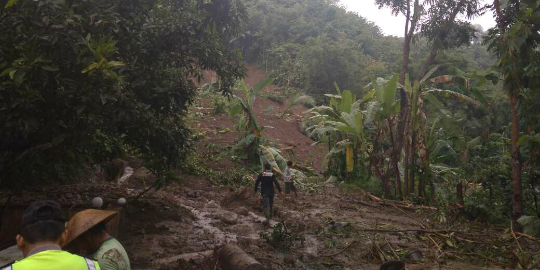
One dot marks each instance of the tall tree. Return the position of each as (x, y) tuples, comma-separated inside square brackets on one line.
[(82, 80), (444, 30), (412, 10), (516, 43)]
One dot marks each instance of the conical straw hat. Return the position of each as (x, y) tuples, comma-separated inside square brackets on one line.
[(85, 220)]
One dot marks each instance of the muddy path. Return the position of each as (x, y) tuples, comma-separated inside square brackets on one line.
[(180, 227)]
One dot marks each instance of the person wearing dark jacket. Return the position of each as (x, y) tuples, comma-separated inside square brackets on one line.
[(268, 180)]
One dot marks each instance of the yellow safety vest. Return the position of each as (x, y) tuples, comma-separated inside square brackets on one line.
[(54, 260)]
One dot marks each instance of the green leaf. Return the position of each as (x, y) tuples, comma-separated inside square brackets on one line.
[(346, 101), (244, 88), (235, 109), (11, 3), (50, 68), (372, 109), (114, 64), (19, 77), (337, 88), (389, 94), (90, 67), (261, 85), (428, 75), (480, 97), (6, 72)]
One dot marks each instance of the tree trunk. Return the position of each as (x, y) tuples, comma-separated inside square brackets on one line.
[(516, 166), (406, 175), (432, 192), (377, 164), (406, 56), (232, 257), (430, 60), (459, 193), (412, 162), (395, 160)]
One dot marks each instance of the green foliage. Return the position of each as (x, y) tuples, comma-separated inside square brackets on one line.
[(120, 71), (234, 178), (298, 99), (530, 224), (281, 237), (248, 120), (220, 105), (310, 44)]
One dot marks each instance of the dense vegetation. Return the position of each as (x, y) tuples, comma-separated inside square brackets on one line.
[(440, 132), (444, 115), (83, 81)]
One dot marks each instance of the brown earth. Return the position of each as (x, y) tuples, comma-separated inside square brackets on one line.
[(180, 226), (284, 132)]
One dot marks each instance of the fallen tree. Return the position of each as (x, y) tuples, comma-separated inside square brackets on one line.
[(232, 257)]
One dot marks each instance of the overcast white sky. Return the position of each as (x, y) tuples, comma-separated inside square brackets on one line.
[(391, 25)]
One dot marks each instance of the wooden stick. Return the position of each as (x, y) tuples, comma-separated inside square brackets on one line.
[(392, 249), (409, 230), (479, 255), (532, 238), (436, 245), (514, 236), (339, 252)]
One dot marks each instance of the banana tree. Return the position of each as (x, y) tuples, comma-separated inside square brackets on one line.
[(421, 140), (244, 104), (380, 113), (297, 99), (341, 126)]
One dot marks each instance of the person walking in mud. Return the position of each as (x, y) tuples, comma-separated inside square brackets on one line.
[(289, 182), (267, 179)]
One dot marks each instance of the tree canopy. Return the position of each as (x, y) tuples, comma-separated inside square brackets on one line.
[(82, 81)]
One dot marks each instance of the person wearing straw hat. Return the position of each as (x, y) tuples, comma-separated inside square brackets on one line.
[(88, 235), (43, 232)]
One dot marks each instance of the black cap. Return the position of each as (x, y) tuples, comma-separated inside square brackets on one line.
[(42, 210)]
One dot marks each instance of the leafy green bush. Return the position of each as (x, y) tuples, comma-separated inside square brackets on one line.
[(234, 178), (281, 237), (220, 105), (125, 68), (530, 224)]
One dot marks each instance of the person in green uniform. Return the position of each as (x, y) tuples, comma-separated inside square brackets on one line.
[(89, 236), (42, 234)]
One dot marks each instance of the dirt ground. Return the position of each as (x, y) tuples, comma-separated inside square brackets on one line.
[(284, 132), (181, 226)]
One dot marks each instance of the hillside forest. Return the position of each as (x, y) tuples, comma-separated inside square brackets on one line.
[(442, 118)]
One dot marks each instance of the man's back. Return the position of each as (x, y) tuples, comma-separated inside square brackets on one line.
[(267, 180), (111, 255), (54, 260)]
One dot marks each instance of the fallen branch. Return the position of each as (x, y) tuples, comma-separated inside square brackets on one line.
[(392, 249), (234, 258), (339, 252), (409, 230), (478, 255), (514, 236), (532, 238)]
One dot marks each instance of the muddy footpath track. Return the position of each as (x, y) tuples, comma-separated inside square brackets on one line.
[(180, 227)]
